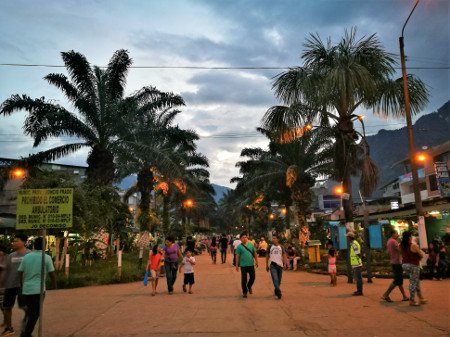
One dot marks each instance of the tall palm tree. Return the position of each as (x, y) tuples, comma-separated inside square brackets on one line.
[(97, 97), (294, 165), (334, 81)]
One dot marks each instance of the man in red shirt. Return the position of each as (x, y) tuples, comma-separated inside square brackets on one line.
[(394, 251)]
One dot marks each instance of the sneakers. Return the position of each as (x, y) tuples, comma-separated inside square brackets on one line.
[(8, 332)]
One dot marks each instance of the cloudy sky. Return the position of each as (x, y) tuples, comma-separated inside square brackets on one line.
[(223, 106)]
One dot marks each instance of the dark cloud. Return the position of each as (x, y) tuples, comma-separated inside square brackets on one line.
[(232, 88)]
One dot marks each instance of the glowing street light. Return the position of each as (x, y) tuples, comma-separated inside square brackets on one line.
[(271, 216), (189, 203), (339, 190), (18, 173)]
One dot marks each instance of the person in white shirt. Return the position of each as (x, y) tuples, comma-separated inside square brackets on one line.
[(236, 243), (188, 264), (275, 261)]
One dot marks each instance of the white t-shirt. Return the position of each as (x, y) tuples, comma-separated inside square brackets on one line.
[(236, 243), (188, 267), (276, 255)]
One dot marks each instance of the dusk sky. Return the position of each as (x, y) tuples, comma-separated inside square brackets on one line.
[(223, 106)]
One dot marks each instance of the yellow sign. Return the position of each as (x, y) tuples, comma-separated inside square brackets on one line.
[(44, 208)]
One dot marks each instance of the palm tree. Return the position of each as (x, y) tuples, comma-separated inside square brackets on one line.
[(334, 81), (97, 96), (294, 165)]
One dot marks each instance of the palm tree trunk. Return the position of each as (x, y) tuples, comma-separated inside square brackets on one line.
[(165, 214), (145, 186), (101, 169)]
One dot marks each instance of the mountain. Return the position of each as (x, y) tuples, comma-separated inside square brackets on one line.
[(220, 191), (129, 181), (390, 146)]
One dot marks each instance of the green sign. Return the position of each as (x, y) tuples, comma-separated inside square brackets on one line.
[(44, 208)]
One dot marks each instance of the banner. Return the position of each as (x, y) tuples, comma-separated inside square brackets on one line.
[(44, 208), (442, 178)]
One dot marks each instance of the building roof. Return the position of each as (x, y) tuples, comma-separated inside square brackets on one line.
[(3, 162), (432, 151)]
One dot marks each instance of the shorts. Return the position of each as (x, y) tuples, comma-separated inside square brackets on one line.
[(10, 298), (398, 274), (189, 278), (332, 269), (154, 274)]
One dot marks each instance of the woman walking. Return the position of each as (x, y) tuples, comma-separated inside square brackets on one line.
[(412, 254), (213, 249), (171, 254)]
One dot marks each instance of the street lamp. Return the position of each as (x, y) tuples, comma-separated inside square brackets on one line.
[(18, 173), (414, 173)]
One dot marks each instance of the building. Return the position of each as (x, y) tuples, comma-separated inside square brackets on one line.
[(433, 175)]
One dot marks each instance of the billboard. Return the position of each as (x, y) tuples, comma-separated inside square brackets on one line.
[(44, 208), (442, 178)]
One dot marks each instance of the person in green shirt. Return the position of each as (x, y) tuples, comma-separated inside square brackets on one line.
[(30, 275), (246, 259)]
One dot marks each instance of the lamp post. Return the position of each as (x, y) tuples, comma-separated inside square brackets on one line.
[(414, 173)]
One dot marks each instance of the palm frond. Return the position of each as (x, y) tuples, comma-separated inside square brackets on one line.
[(116, 74), (54, 153)]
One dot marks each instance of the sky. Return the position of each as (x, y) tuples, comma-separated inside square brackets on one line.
[(223, 106)]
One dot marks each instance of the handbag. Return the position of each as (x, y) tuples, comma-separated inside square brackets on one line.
[(146, 278)]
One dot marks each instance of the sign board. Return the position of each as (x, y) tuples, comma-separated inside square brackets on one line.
[(442, 177), (395, 205), (44, 208)]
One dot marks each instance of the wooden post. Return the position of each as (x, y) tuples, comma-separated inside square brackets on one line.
[(41, 300), (66, 273), (119, 263)]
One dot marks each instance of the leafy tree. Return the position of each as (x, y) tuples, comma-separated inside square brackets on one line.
[(334, 81), (99, 102), (294, 165)]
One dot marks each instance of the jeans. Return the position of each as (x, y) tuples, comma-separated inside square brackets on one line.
[(414, 279), (171, 269), (276, 272), (357, 272), (32, 311), (247, 283), (223, 255), (213, 255)]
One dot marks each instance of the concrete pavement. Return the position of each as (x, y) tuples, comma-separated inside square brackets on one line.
[(309, 307)]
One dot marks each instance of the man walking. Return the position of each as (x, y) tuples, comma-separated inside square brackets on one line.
[(395, 253), (223, 243), (30, 274), (356, 262), (275, 259), (246, 259), (12, 281)]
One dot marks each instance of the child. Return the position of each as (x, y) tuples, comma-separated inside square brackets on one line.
[(153, 266), (188, 263), (332, 254)]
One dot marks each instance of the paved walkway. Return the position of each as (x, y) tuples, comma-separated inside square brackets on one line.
[(310, 307)]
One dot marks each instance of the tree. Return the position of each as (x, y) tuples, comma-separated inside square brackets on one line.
[(294, 165), (334, 81), (97, 96)]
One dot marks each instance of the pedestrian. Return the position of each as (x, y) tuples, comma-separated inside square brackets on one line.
[(443, 264), (274, 263), (411, 255), (30, 274), (395, 254), (433, 260), (171, 255), (236, 243), (292, 258), (154, 265), (332, 270), (262, 247), (12, 281), (246, 259), (213, 249), (188, 263), (223, 243), (356, 262), (190, 244)]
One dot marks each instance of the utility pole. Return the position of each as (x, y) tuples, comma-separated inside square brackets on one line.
[(412, 150)]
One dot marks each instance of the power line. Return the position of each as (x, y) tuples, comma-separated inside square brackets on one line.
[(30, 65)]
